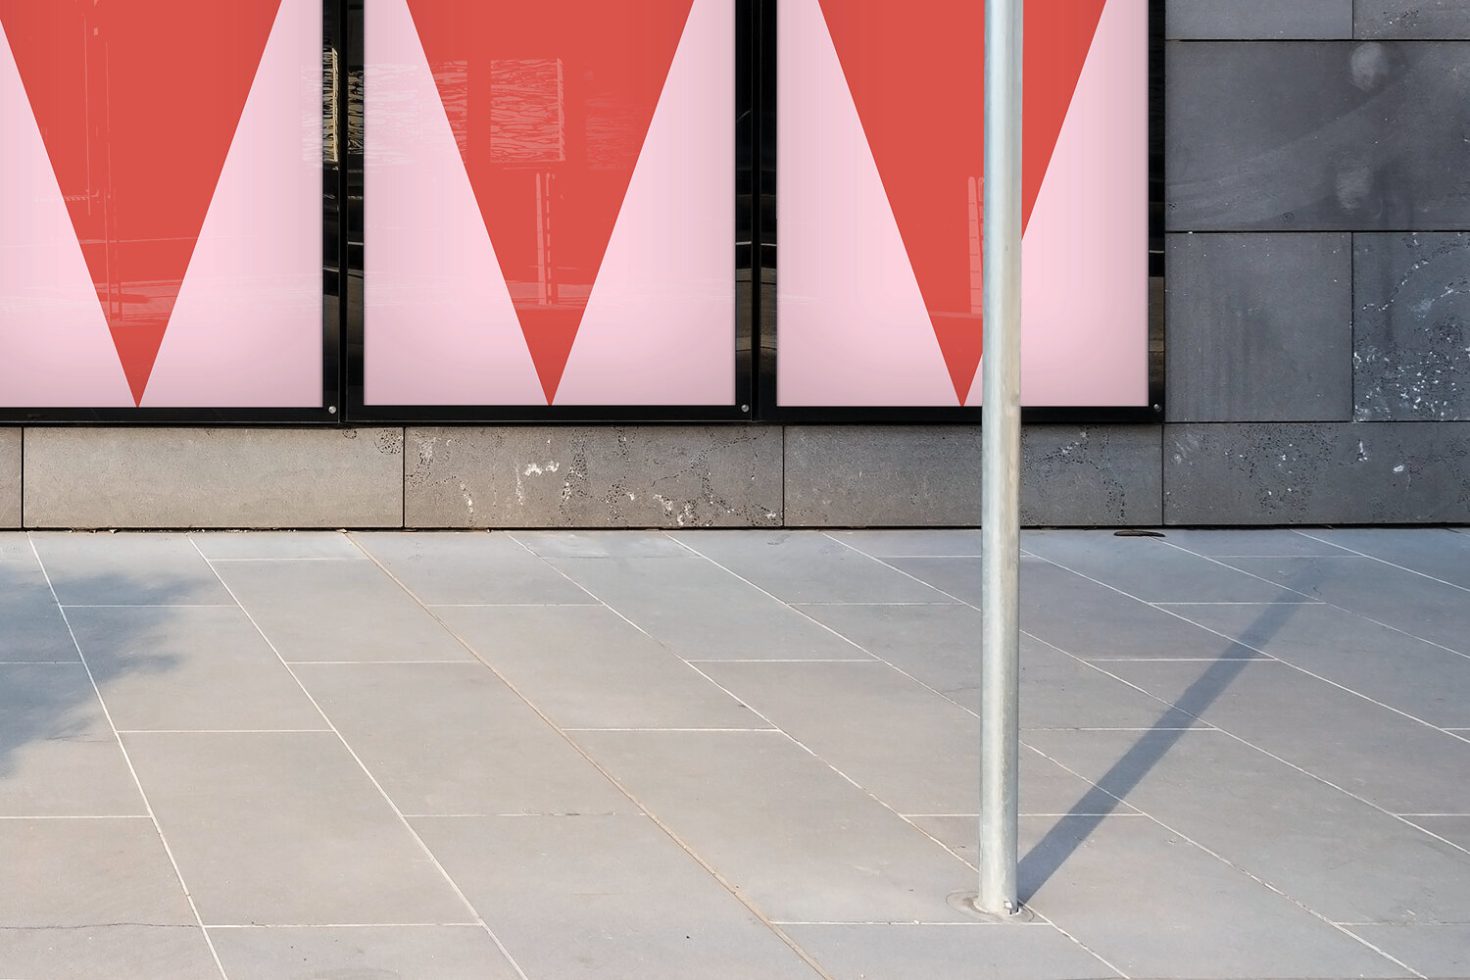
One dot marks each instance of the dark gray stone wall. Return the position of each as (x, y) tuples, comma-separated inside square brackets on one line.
[(1318, 273)]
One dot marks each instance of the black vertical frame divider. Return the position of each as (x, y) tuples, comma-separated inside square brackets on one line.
[(334, 85), (742, 335), (765, 154)]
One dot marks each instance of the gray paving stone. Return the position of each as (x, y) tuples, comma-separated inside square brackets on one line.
[(859, 476), (15, 546), (1251, 19), (1289, 829), (1151, 570), (1235, 113), (459, 568), (973, 952), (1386, 665), (1239, 542), (314, 611), (1095, 622), (1455, 829), (1327, 473), (600, 544), (172, 477), (441, 952), (958, 577), (640, 906), (34, 629), (702, 612), (1411, 303), (1433, 611), (1435, 950), (796, 838), (1437, 552), (128, 569), (940, 647), (10, 477), (1190, 915), (202, 667), (254, 545), (807, 566), (89, 952), (1396, 763), (1413, 19), (915, 543), (286, 829), (586, 476), (1260, 327), (94, 898), (847, 713), (452, 738), (58, 756), (587, 667)]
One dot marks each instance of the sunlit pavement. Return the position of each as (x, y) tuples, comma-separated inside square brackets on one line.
[(728, 754)]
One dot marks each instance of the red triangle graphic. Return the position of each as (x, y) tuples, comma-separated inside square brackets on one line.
[(137, 103), (917, 80), (550, 102)]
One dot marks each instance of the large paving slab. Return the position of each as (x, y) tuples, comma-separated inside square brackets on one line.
[(443, 952), (453, 739), (1431, 610), (1188, 915), (599, 896), (1395, 762), (800, 841), (35, 630), (189, 667), (703, 612), (336, 611), (469, 569), (587, 667), (1387, 665), (94, 898), (58, 754), (275, 829), (974, 952), (1290, 830), (128, 570)]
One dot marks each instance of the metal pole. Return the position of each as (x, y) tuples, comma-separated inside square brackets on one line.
[(1001, 451)]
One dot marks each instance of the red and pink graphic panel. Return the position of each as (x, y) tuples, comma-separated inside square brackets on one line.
[(161, 204), (549, 203), (880, 189)]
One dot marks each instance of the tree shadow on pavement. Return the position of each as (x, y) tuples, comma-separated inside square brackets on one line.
[(46, 692)]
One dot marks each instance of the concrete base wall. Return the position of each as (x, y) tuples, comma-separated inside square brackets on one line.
[(727, 476)]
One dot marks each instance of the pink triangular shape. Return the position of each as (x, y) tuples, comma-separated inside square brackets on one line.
[(55, 348), (665, 294), (853, 326), (440, 327)]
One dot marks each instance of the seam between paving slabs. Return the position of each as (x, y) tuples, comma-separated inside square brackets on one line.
[(107, 713), (668, 831), (1045, 919), (479, 919), (1169, 705)]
